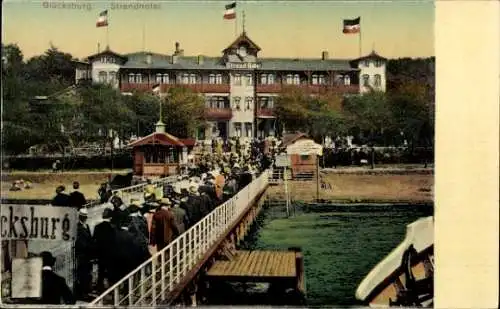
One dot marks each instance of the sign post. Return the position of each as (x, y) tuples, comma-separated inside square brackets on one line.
[(283, 160)]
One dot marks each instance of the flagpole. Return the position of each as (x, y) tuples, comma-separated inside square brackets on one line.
[(235, 20), (107, 30), (360, 42)]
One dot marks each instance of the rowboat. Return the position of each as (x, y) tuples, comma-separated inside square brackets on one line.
[(405, 277)]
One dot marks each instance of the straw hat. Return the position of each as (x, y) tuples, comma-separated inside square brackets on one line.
[(83, 212), (165, 201)]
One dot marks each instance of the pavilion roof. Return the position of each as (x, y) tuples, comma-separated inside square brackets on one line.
[(159, 138)]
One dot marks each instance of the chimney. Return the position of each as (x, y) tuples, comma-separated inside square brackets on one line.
[(200, 60), (177, 45), (148, 58), (324, 55)]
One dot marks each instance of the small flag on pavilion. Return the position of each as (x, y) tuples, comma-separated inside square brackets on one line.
[(102, 21), (352, 25), (156, 88), (230, 11)]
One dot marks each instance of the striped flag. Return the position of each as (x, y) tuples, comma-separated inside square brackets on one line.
[(352, 25), (102, 21), (230, 11)]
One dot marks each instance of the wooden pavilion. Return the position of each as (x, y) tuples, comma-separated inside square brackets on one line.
[(160, 153)]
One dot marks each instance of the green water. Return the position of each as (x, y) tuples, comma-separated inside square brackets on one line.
[(340, 244)]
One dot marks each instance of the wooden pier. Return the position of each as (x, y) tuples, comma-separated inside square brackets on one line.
[(282, 270)]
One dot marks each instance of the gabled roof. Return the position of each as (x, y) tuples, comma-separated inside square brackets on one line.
[(157, 138), (290, 64), (372, 55), (107, 51), (161, 61), (242, 38), (289, 139)]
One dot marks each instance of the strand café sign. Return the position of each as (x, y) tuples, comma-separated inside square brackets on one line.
[(30, 222), (243, 65)]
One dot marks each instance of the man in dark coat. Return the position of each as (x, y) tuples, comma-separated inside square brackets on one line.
[(84, 253), (123, 255), (137, 223), (163, 227), (76, 198), (181, 218), (194, 205), (61, 198), (118, 215), (206, 204), (104, 238), (54, 288)]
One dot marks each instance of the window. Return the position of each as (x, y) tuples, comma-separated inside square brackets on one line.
[(185, 78), (296, 79), (192, 79), (112, 77), (159, 78), (270, 102), (264, 102), (166, 79), (289, 79), (315, 79), (304, 157), (366, 80), (237, 79), (378, 63), (347, 80), (263, 79), (236, 101), (222, 102), (131, 78), (103, 76), (218, 79), (211, 79), (248, 129), (237, 129), (248, 103), (270, 79), (366, 63), (378, 80), (138, 78), (321, 80), (248, 79), (208, 102)]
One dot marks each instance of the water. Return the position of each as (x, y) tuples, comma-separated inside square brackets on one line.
[(340, 244)]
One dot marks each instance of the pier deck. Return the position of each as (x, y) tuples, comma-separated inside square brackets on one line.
[(256, 266)]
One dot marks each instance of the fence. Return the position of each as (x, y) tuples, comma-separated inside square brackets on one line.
[(151, 282)]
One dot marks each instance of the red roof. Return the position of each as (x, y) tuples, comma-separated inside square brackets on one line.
[(157, 138), (188, 141)]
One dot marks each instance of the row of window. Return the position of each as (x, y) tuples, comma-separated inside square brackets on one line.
[(243, 129), (377, 81), (266, 79), (378, 63), (238, 104), (105, 77)]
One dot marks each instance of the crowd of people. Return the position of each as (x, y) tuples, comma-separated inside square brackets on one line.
[(129, 234)]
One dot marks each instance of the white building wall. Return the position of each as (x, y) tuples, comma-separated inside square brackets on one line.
[(98, 66), (368, 67), (243, 115)]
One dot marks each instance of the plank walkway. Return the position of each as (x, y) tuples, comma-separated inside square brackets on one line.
[(256, 265)]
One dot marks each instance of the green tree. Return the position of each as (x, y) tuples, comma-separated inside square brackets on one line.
[(183, 112)]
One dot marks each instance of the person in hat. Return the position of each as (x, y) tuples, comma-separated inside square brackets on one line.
[(103, 242), (84, 252), (55, 290), (76, 198), (61, 198), (163, 226), (138, 226), (193, 204), (118, 215), (181, 217)]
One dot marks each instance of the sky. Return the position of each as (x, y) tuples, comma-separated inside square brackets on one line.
[(295, 29)]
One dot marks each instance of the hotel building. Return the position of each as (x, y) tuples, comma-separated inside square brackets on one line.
[(239, 87)]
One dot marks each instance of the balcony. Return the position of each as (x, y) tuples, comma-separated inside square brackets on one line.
[(265, 113), (312, 89), (203, 88), (218, 113)]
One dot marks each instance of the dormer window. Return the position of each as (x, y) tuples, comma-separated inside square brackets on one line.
[(366, 63), (378, 63), (242, 51)]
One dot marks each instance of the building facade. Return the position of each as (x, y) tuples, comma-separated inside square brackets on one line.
[(239, 87)]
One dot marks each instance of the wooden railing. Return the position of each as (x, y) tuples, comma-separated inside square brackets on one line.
[(218, 113), (265, 112), (204, 88), (312, 89)]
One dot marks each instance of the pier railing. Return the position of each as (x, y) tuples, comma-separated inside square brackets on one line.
[(152, 282)]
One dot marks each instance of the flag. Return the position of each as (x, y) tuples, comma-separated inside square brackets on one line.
[(352, 25), (156, 88), (102, 21), (230, 12)]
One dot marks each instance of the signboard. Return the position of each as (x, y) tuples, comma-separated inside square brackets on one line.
[(36, 222), (282, 160), (305, 147), (245, 65), (26, 278)]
